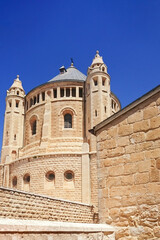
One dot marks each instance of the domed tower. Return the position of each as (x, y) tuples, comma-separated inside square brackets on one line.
[(100, 101), (13, 122), (99, 104), (98, 91)]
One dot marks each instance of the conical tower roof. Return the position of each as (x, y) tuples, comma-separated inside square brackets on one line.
[(17, 84), (97, 59)]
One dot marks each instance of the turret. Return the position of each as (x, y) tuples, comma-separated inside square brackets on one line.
[(98, 103), (13, 122)]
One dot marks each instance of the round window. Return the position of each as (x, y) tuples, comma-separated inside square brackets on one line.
[(50, 176), (14, 181), (26, 178), (69, 175)]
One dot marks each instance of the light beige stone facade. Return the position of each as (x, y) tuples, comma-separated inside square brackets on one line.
[(128, 149), (41, 147), (68, 139)]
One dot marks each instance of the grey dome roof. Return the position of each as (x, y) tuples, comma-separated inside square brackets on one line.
[(71, 73)]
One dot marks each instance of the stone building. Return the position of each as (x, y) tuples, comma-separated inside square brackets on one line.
[(75, 165)]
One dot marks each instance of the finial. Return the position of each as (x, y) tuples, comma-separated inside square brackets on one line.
[(97, 52), (72, 62), (17, 76)]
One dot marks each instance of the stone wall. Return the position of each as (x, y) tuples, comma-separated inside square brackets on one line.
[(38, 166), (11, 229), (21, 205), (128, 147)]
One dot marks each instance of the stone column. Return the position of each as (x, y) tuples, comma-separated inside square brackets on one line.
[(86, 191)]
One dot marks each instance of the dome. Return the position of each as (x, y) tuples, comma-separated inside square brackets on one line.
[(71, 73)]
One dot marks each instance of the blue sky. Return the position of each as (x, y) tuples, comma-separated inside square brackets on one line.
[(37, 37)]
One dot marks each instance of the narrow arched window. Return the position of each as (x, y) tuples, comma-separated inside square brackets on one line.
[(34, 127), (67, 120)]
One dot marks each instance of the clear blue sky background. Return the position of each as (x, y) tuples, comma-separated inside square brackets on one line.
[(37, 37)]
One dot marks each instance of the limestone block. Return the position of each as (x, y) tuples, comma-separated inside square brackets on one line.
[(113, 202), (123, 232), (141, 178), (154, 175), (141, 126), (144, 166), (150, 112), (153, 135), (128, 201), (116, 170), (157, 231), (136, 117), (137, 137), (152, 153), (130, 168), (127, 180), (123, 141), (125, 130), (155, 122), (158, 163)]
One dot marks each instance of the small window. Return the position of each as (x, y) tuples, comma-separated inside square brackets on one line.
[(50, 176), (37, 98), (14, 181), (105, 109), (43, 96), (26, 178), (80, 92), (103, 69), (95, 82), (67, 92), (17, 104), (62, 92), (27, 105), (113, 105), (18, 93), (34, 127), (67, 120), (74, 92), (69, 175), (96, 113), (103, 81), (10, 104), (55, 93), (14, 136)]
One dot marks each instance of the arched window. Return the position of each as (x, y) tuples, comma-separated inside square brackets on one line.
[(14, 181), (33, 124), (34, 127), (67, 120)]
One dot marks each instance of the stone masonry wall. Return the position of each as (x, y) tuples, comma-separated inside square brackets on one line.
[(38, 166), (129, 172), (21, 205)]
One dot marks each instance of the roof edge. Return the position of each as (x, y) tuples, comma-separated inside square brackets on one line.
[(129, 107)]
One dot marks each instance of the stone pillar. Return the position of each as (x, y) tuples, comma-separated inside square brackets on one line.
[(86, 191), (46, 130)]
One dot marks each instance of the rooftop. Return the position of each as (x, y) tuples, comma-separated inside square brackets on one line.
[(70, 73)]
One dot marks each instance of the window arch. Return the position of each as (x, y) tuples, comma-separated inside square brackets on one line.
[(67, 120), (33, 124), (26, 178)]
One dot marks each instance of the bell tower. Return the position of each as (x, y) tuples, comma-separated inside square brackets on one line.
[(98, 102), (13, 122)]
